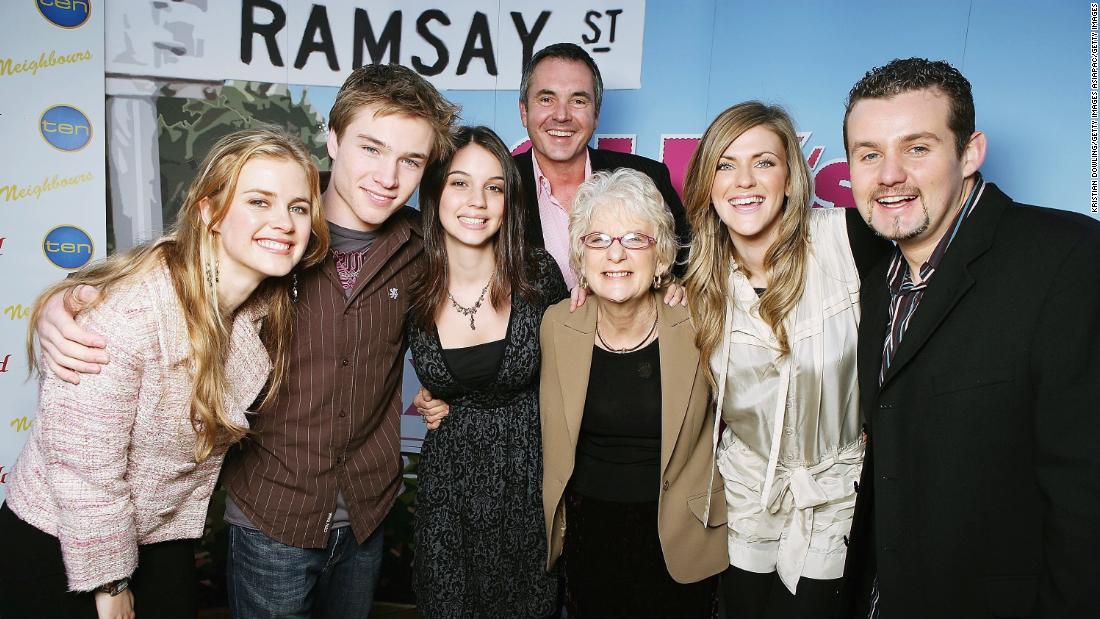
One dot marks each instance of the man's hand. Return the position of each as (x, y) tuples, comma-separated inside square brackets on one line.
[(69, 350), (676, 294), (120, 606), (433, 411), (576, 298)]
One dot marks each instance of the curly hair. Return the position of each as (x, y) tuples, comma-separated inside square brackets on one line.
[(637, 196), (900, 76)]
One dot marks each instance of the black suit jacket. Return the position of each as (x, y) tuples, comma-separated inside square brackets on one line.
[(980, 493), (609, 160)]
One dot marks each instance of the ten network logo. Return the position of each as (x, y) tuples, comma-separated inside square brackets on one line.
[(65, 128), (65, 13), (68, 247)]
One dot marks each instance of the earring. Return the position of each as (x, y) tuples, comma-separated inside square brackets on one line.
[(293, 287), (212, 272), (583, 282), (656, 281)]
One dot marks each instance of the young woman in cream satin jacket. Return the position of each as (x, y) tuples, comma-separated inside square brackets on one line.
[(773, 287)]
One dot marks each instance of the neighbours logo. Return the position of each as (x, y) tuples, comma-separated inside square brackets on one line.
[(65, 128), (65, 13), (68, 247)]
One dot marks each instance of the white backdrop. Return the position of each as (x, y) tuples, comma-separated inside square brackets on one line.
[(52, 177)]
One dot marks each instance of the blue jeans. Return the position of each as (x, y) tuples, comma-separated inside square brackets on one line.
[(269, 579)]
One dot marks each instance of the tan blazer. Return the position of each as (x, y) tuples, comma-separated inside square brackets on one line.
[(692, 551)]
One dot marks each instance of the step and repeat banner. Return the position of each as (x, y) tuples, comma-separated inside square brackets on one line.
[(52, 177), (148, 85)]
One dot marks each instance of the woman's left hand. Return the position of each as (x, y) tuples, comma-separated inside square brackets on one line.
[(119, 606), (433, 411)]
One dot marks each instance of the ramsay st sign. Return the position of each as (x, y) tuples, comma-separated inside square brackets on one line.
[(457, 45)]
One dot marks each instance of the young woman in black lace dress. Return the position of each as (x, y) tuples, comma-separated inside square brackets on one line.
[(473, 331)]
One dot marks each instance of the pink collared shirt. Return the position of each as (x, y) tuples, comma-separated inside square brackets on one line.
[(555, 220)]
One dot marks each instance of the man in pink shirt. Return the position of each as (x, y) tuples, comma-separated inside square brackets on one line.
[(559, 103)]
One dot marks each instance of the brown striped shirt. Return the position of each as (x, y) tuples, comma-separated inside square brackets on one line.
[(335, 424)]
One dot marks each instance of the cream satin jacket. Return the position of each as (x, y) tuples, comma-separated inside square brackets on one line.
[(791, 450)]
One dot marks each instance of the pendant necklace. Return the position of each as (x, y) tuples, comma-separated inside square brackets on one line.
[(624, 350), (472, 310)]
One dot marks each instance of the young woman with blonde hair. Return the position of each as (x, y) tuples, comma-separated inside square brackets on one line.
[(113, 484), (774, 295)]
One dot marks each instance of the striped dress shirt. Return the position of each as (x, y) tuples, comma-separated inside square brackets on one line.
[(335, 424)]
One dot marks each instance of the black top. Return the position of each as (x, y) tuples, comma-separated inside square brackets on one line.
[(619, 447), (475, 366)]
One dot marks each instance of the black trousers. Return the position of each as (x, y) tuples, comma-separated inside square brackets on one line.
[(33, 582), (748, 595)]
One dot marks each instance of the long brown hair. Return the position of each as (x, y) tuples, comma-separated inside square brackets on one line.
[(712, 249), (187, 252), (514, 268)]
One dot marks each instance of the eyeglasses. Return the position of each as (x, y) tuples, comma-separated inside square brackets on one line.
[(630, 240)]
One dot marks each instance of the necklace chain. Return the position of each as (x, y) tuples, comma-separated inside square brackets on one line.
[(624, 350), (472, 310)]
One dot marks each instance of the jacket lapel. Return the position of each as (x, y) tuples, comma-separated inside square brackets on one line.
[(743, 319), (679, 364), (248, 364), (952, 278), (574, 345), (596, 157)]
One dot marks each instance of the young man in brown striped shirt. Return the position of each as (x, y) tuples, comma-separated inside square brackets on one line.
[(309, 489)]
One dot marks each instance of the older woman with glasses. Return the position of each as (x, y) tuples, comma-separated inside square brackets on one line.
[(626, 430)]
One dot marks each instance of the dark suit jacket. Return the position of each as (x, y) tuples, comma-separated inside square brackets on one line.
[(609, 160), (980, 493)]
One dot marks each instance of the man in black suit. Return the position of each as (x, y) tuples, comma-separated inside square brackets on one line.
[(979, 372), (559, 103)]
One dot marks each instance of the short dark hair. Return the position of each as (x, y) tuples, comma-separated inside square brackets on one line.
[(563, 51), (900, 76)]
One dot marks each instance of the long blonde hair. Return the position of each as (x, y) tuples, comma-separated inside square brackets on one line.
[(188, 252), (712, 248)]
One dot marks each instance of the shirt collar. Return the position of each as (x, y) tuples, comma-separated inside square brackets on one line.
[(898, 275), (543, 184)]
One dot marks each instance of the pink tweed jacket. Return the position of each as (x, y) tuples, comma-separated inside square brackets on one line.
[(109, 463)]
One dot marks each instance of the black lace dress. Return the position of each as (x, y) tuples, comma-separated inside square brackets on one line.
[(480, 543)]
